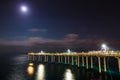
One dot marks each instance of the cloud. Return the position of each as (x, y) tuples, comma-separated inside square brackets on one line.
[(69, 41), (71, 37), (37, 30), (27, 41)]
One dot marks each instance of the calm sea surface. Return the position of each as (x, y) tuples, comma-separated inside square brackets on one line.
[(18, 68)]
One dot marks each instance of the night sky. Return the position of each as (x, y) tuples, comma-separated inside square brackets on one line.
[(58, 25)]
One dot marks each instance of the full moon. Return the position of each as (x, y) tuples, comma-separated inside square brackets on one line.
[(24, 9)]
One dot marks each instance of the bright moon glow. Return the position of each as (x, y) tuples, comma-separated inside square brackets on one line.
[(24, 8)]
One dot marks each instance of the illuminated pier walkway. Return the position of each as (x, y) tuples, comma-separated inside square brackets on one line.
[(86, 59)]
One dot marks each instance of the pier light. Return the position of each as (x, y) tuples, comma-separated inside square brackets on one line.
[(68, 51), (42, 52), (104, 47)]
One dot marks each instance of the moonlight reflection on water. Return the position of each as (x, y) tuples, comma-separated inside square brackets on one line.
[(18, 71)]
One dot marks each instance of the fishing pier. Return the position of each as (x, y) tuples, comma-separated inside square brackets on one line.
[(83, 59)]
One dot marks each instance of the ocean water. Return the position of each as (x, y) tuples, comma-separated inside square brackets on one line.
[(17, 67)]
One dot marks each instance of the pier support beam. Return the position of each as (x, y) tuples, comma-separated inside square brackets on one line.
[(72, 60), (78, 61), (33, 58), (51, 58), (68, 59), (65, 59), (91, 60), (99, 64), (87, 62), (119, 64), (104, 60), (30, 57), (61, 59), (58, 59), (38, 58), (82, 60), (45, 59)]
